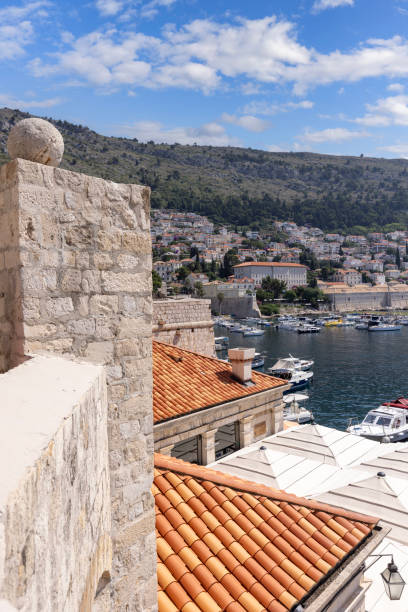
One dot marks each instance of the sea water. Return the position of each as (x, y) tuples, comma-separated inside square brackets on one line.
[(354, 370)]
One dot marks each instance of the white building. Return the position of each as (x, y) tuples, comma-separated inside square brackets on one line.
[(166, 269), (350, 276), (292, 274)]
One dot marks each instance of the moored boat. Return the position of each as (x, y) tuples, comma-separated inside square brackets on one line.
[(293, 412), (387, 423), (258, 361), (383, 327), (253, 332)]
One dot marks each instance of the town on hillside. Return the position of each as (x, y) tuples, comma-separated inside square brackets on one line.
[(287, 264)]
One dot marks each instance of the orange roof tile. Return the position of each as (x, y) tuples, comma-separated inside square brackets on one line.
[(185, 381), (227, 544)]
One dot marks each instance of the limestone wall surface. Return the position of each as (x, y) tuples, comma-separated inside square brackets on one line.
[(241, 307), (10, 289), (83, 284), (186, 323), (55, 506)]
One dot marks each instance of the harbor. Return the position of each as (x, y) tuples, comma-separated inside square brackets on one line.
[(354, 371)]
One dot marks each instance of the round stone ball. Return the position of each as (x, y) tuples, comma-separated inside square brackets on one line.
[(36, 140)]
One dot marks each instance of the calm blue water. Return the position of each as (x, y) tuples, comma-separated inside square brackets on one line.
[(354, 370)]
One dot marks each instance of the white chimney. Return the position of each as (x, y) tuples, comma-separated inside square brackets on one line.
[(241, 363)]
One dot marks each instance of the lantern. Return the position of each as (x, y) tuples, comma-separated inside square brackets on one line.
[(393, 581)]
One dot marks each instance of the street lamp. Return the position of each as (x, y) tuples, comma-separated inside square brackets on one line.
[(393, 581)]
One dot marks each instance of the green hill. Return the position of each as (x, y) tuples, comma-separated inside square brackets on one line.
[(242, 186)]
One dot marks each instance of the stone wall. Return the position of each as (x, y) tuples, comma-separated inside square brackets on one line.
[(10, 289), (239, 307), (185, 323), (83, 284), (55, 506)]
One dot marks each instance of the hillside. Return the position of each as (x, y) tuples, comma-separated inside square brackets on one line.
[(242, 186)]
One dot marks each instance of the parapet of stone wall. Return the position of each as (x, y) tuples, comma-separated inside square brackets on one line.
[(55, 506), (75, 271), (186, 323)]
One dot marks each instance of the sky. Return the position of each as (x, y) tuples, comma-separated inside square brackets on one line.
[(328, 76)]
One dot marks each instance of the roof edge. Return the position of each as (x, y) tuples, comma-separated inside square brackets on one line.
[(234, 482)]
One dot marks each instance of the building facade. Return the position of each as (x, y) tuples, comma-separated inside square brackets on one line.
[(294, 275)]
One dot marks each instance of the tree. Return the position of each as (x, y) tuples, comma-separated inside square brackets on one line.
[(157, 281), (398, 259), (182, 273), (290, 295), (230, 260), (199, 291), (220, 298), (274, 286)]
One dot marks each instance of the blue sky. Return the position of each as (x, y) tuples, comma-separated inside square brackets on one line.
[(327, 76)]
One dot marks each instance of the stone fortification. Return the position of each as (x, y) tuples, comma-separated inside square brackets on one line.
[(75, 278), (55, 506), (240, 307), (185, 323), (365, 297)]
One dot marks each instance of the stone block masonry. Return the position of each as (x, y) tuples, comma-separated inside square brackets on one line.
[(55, 505), (75, 279), (185, 323)]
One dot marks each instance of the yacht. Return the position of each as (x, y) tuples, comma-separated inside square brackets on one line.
[(253, 332), (294, 363), (293, 412), (285, 369), (387, 423), (384, 327)]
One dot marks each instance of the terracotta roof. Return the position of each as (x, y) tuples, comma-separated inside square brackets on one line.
[(275, 264), (184, 381), (227, 544)]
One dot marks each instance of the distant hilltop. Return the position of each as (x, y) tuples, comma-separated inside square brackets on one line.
[(243, 187)]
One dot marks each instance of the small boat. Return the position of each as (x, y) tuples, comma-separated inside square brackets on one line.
[(308, 329), (222, 340), (297, 379), (387, 423), (293, 412), (361, 326), (253, 332), (237, 329), (383, 327), (258, 361), (334, 323), (292, 363)]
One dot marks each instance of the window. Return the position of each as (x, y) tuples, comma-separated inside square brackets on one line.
[(383, 421), (370, 418), (186, 450)]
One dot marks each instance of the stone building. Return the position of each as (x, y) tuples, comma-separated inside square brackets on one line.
[(293, 274), (204, 408), (184, 322)]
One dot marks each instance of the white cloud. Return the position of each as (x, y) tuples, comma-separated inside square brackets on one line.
[(12, 102), (275, 148), (150, 9), (387, 111), (206, 55), (331, 135), (108, 8), (322, 5), (16, 30), (15, 13), (266, 108), (397, 87), (208, 134), (248, 122), (398, 149)]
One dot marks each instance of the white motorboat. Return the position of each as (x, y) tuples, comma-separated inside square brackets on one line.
[(253, 332), (382, 327), (387, 423), (294, 412), (294, 362), (258, 361)]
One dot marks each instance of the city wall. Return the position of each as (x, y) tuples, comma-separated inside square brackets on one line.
[(240, 307), (185, 323), (55, 505), (75, 279), (368, 298)]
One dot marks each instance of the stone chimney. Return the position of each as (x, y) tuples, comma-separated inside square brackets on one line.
[(241, 362)]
